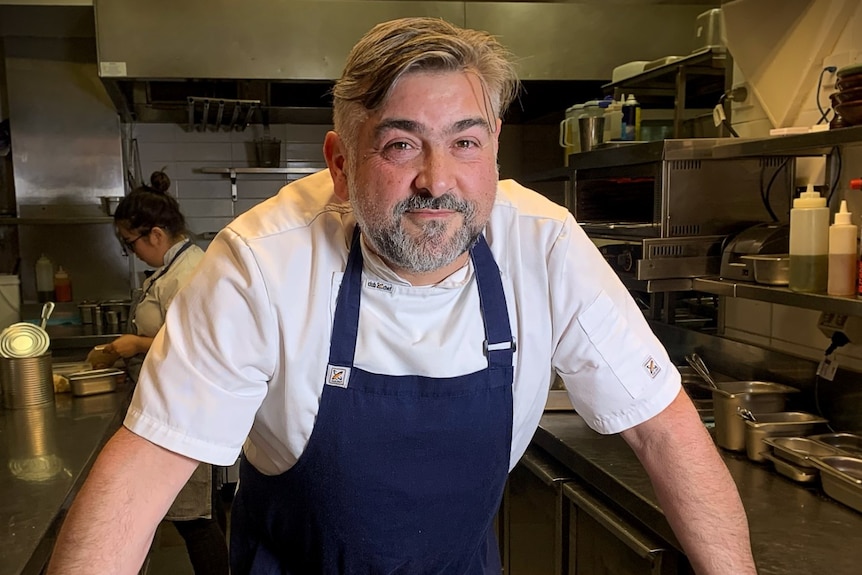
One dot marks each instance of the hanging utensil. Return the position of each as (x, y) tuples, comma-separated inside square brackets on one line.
[(47, 310), (698, 365), (745, 414)]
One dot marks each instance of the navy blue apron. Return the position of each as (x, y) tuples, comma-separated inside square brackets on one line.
[(401, 474)]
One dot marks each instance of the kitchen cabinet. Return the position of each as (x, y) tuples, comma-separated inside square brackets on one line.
[(602, 540), (534, 517), (554, 525)]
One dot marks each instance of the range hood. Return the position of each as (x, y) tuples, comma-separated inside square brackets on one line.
[(168, 61)]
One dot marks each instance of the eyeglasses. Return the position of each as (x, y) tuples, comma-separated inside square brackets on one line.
[(129, 245)]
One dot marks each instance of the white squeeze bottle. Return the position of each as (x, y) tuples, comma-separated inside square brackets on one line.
[(809, 242), (842, 254)]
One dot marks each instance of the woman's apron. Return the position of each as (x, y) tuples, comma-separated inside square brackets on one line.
[(401, 474)]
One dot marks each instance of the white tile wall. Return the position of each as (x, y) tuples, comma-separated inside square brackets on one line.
[(205, 199)]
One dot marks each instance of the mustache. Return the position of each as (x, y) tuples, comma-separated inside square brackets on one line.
[(444, 202)]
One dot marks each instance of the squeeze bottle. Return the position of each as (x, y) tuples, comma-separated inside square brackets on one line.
[(842, 254), (631, 122), (44, 279), (809, 242), (62, 285)]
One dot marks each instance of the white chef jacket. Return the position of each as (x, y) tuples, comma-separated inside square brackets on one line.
[(160, 288), (244, 351)]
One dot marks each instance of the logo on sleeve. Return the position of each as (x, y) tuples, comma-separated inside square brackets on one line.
[(652, 367), (337, 375)]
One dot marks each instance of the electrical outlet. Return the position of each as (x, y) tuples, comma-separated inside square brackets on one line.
[(851, 326)]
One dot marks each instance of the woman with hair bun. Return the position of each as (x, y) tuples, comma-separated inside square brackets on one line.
[(149, 224)]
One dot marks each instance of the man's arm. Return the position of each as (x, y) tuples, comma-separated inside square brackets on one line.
[(112, 521), (694, 488)]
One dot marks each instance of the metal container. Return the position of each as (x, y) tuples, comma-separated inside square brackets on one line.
[(120, 309), (756, 396), (794, 472), (94, 381), (110, 203), (87, 310), (770, 269), (848, 443), (799, 450), (26, 381), (841, 476), (782, 424)]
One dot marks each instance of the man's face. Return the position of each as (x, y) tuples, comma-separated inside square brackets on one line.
[(424, 176)]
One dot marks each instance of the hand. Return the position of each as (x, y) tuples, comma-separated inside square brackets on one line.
[(100, 358), (126, 346)]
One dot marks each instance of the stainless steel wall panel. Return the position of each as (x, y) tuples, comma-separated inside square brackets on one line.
[(585, 41), (254, 39), (66, 153), (66, 131)]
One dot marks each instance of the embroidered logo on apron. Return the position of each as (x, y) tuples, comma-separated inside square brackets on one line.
[(337, 375), (652, 367)]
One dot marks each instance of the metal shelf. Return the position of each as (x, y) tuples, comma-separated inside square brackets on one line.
[(57, 221), (234, 172), (811, 144), (311, 170), (780, 295)]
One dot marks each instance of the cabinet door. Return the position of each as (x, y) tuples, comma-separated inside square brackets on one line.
[(535, 517), (602, 542)]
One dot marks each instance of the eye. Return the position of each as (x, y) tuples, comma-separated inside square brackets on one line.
[(466, 144), (400, 150)]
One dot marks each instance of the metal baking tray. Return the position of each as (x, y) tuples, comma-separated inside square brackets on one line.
[(841, 476), (94, 381), (799, 450), (794, 472)]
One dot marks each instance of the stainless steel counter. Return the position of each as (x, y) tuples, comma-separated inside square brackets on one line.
[(45, 454), (795, 530)]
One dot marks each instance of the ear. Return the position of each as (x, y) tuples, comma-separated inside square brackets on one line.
[(336, 159), (157, 235)]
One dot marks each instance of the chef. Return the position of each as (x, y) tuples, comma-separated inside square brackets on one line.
[(381, 337)]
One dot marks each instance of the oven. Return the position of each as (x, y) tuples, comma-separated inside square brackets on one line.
[(662, 210)]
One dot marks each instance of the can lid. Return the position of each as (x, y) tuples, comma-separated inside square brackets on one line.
[(23, 340)]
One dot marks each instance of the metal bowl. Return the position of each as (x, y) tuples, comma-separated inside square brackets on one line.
[(110, 203)]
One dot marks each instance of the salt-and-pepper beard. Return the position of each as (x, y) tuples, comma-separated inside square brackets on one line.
[(431, 250)]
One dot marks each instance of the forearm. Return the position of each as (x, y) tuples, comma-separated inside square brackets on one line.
[(695, 490), (112, 521)]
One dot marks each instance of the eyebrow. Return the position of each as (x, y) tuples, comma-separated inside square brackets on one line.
[(418, 128)]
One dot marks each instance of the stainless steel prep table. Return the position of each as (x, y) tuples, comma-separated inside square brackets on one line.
[(69, 434), (795, 530)]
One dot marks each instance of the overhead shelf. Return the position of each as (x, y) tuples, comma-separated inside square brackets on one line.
[(56, 221), (811, 144), (234, 172), (298, 170), (780, 295)]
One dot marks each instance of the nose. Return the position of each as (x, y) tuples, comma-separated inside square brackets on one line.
[(436, 174)]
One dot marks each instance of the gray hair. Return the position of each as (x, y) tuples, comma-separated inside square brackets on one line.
[(392, 49)]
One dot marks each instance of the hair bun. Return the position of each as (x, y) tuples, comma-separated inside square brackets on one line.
[(160, 182)]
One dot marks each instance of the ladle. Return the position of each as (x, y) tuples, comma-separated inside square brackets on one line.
[(47, 310), (699, 366)]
